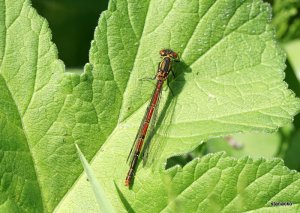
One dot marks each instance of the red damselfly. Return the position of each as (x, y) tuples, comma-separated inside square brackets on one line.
[(164, 68)]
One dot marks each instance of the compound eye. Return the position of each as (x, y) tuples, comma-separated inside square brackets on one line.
[(175, 55), (162, 53)]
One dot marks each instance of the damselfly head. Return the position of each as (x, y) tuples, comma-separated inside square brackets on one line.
[(169, 53)]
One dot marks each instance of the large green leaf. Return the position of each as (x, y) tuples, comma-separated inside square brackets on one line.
[(229, 185), (230, 80)]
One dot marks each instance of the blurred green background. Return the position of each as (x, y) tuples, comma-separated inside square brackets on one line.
[(73, 23)]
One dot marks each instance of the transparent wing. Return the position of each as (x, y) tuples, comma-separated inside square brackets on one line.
[(133, 148), (152, 129), (131, 153)]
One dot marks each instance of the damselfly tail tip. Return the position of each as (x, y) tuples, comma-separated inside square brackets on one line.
[(127, 182)]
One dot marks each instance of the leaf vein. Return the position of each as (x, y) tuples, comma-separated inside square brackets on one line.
[(219, 42)]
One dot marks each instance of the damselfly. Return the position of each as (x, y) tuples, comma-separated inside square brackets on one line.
[(164, 68)]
